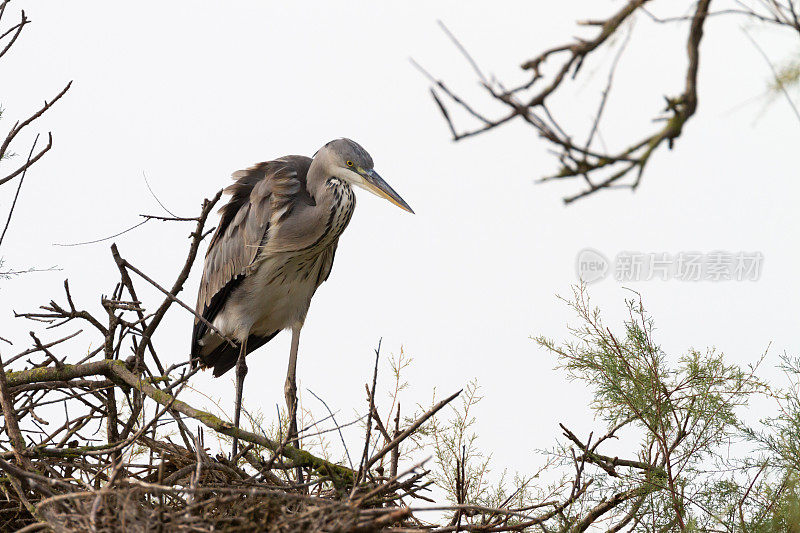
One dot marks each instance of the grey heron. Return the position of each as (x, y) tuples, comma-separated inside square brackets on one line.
[(274, 246)]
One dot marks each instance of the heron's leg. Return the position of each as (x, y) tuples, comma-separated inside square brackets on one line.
[(290, 391), (290, 388), (241, 372)]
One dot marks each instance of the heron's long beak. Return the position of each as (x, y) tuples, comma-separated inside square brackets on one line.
[(374, 183)]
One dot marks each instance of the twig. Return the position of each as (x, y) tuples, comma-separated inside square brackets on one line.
[(338, 428), (149, 188), (410, 429), (19, 126), (103, 239), (362, 465), (775, 75), (19, 187)]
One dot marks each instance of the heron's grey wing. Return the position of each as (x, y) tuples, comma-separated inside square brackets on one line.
[(261, 196)]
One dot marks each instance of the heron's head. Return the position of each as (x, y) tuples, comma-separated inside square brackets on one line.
[(348, 161)]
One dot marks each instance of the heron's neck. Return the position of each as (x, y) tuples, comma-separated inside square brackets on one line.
[(320, 178), (318, 174), (335, 200)]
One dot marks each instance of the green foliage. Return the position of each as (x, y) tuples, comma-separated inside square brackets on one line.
[(631, 379), (779, 435), (787, 76), (696, 467), (454, 443)]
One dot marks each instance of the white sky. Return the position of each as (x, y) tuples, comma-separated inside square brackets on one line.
[(188, 92)]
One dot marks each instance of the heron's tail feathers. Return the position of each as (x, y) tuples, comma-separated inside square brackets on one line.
[(224, 356)]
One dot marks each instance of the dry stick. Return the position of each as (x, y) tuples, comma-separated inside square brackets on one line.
[(47, 353), (378, 421), (192, 469), (778, 82), (197, 236), (35, 478), (128, 282), (88, 451), (275, 453), (17, 442), (39, 348), (396, 450), (521, 526), (578, 50), (604, 98), (464, 52), (410, 429), (482, 509), (338, 427), (409, 489), (19, 188), (18, 27), (604, 462), (377, 490), (604, 507), (55, 311), (36, 526), (169, 219), (633, 512), (362, 469), (631, 161), (12, 426), (68, 427), (47, 374), (171, 297), (101, 495), (149, 188), (440, 84), (18, 128), (17, 486), (386, 520), (199, 469), (81, 384), (123, 263), (116, 371), (101, 239), (112, 431)]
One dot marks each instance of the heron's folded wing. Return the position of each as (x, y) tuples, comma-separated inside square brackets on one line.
[(261, 196)]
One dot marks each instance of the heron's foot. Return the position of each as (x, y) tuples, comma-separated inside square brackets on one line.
[(293, 438), (290, 392)]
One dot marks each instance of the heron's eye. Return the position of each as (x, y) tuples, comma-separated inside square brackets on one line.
[(349, 163)]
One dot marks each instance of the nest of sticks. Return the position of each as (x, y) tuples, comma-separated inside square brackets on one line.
[(103, 442)]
